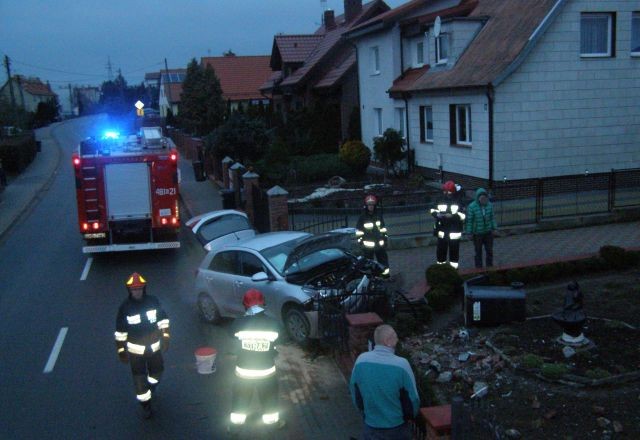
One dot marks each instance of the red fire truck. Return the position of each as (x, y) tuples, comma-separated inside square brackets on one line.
[(127, 191)]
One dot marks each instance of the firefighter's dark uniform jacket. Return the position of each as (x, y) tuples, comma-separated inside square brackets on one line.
[(140, 326), (371, 231), (451, 227), (256, 335)]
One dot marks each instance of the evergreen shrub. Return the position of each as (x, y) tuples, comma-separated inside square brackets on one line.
[(356, 156)]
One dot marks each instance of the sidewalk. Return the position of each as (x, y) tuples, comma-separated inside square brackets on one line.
[(24, 190)]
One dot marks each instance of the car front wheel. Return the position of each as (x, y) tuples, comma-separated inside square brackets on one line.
[(208, 309), (297, 325)]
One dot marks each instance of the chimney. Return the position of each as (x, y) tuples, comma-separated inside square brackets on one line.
[(351, 9), (329, 20)]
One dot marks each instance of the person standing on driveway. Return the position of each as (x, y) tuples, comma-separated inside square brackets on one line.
[(481, 224), (383, 388), (449, 220), (256, 336), (142, 334), (371, 233)]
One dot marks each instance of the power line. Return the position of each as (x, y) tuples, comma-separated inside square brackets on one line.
[(79, 73)]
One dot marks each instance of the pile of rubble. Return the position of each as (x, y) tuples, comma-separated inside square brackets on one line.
[(459, 360)]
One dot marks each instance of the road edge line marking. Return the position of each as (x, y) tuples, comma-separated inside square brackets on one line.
[(53, 357), (87, 267)]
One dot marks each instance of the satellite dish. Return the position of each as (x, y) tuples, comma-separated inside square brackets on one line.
[(436, 26)]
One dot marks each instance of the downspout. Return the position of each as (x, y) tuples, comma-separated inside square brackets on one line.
[(410, 155), (355, 47), (490, 97), (401, 56)]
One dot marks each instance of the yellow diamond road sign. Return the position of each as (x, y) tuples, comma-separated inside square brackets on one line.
[(139, 105)]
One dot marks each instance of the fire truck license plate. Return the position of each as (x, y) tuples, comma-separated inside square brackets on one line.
[(255, 345)]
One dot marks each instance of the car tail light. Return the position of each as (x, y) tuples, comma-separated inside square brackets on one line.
[(85, 226), (174, 221), (96, 225), (163, 220), (174, 157)]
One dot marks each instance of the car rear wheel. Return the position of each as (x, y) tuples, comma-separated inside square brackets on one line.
[(297, 325), (208, 309)]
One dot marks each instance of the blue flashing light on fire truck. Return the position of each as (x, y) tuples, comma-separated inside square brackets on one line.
[(127, 191)]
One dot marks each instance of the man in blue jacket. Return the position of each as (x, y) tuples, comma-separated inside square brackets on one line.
[(383, 388)]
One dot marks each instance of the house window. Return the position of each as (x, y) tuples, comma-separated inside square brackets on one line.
[(635, 34), (377, 121), (426, 124), (460, 124), (596, 34), (375, 60), (442, 48), (419, 54), (401, 121)]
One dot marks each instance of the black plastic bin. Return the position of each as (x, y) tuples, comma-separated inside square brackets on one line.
[(228, 199), (198, 170), (493, 305)]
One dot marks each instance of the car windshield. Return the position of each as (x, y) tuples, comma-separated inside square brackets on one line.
[(277, 257)]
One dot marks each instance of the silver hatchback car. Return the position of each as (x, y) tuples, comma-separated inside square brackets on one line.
[(287, 267)]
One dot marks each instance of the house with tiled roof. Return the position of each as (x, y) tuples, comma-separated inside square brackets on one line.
[(27, 92), (320, 66), (240, 78), (170, 90), (152, 87), (494, 90)]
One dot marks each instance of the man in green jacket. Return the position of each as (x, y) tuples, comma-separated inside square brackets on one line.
[(481, 224)]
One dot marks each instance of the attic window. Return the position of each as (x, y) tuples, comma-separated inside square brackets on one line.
[(442, 48)]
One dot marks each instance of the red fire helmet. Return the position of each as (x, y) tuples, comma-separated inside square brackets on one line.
[(253, 297), (449, 186), (370, 200), (136, 281)]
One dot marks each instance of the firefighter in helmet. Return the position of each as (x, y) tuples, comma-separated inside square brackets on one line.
[(142, 335), (372, 233), (449, 220), (256, 336)]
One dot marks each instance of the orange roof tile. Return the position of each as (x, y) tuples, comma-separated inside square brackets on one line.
[(34, 86), (240, 76)]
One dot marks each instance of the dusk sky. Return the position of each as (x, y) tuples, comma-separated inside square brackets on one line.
[(71, 41)]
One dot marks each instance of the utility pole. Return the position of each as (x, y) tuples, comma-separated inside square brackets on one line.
[(109, 71), (70, 100), (7, 64)]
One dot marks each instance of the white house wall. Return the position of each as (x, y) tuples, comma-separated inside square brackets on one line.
[(373, 87), (469, 160), (559, 114)]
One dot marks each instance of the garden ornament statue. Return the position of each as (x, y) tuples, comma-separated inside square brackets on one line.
[(572, 317)]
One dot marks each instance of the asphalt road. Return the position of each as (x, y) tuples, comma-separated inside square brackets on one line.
[(53, 296)]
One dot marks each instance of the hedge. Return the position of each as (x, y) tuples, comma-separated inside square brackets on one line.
[(17, 152)]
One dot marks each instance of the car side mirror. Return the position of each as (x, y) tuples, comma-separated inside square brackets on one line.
[(260, 276)]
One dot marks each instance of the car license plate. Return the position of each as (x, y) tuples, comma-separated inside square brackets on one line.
[(254, 345)]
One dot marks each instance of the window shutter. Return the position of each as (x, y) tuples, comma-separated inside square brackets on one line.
[(452, 124), (423, 136)]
